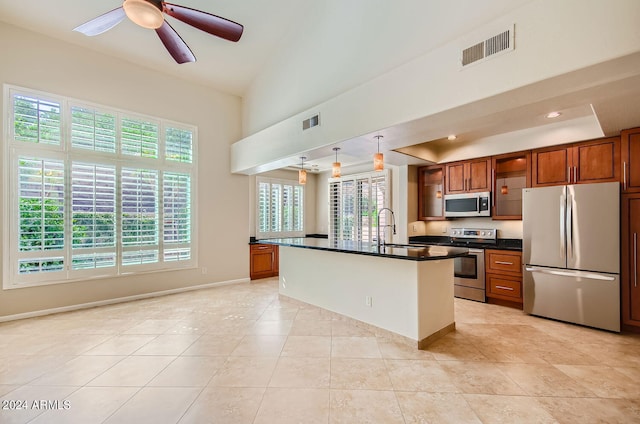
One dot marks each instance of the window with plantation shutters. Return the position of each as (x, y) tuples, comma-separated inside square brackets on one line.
[(93, 130), (139, 205), (96, 192), (93, 216), (176, 223), (36, 120), (280, 205), (139, 138), (354, 202), (179, 145), (41, 215)]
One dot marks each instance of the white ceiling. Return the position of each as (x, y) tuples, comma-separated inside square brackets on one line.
[(227, 66)]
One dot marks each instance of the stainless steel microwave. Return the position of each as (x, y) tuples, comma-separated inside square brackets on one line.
[(467, 204)]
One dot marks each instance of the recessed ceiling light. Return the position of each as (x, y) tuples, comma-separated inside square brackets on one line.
[(452, 137), (553, 114)]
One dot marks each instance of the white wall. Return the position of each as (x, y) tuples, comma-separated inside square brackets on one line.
[(341, 44), (552, 39), (33, 61)]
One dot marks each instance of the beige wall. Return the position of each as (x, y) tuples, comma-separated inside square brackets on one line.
[(33, 61)]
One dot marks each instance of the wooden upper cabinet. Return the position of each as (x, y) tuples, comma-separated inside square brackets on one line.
[(631, 160), (550, 166), (430, 193), (597, 161), (594, 161), (468, 176)]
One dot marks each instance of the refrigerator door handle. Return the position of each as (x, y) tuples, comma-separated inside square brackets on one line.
[(563, 246), (569, 226), (570, 273)]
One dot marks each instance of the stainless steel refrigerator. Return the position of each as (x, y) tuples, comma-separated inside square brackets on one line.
[(571, 253)]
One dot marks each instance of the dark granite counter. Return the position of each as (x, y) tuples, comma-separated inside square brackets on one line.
[(501, 244), (398, 251)]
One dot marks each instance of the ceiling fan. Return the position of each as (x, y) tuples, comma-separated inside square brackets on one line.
[(149, 14)]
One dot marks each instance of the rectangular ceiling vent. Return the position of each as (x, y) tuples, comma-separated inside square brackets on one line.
[(502, 42), (314, 121)]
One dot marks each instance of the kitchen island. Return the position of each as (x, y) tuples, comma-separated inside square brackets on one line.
[(407, 290)]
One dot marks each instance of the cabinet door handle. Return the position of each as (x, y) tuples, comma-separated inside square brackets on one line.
[(635, 259), (569, 173), (263, 247), (575, 174), (504, 288), (624, 175), (504, 263)]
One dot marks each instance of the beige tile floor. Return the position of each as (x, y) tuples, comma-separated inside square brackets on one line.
[(239, 354)]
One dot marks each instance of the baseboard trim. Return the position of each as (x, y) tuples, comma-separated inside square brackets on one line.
[(424, 343), (105, 302)]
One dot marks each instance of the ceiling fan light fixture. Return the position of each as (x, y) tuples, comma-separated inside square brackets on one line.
[(144, 13)]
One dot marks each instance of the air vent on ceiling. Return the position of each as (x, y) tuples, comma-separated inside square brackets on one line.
[(314, 121), (502, 42)]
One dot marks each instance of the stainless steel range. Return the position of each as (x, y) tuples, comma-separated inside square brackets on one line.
[(468, 279)]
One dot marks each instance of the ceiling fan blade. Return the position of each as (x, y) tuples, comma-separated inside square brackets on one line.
[(204, 21), (102, 23), (176, 47)]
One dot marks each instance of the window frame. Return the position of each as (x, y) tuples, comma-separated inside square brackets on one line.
[(278, 234), (70, 154)]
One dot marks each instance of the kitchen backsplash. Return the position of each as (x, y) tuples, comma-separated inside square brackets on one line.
[(506, 229)]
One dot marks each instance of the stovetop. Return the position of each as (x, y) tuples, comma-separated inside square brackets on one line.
[(476, 236), (472, 238)]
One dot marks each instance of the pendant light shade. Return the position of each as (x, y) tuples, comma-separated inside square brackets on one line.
[(378, 158), (302, 174), (335, 169)]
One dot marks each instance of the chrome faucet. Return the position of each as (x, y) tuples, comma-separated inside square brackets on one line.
[(393, 226)]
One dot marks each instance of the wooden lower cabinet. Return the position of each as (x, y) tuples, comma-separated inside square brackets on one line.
[(630, 281), (503, 277), (263, 261)]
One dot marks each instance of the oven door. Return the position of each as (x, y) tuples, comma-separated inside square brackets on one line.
[(469, 275)]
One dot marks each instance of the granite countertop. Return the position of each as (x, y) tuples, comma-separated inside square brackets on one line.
[(501, 244), (398, 251)]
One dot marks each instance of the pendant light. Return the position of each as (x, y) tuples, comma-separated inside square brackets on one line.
[(378, 158), (302, 174), (335, 169)]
